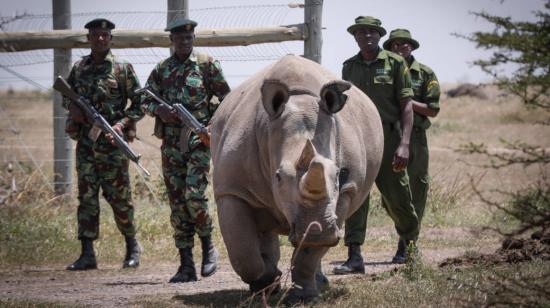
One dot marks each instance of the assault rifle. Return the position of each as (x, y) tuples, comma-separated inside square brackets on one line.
[(98, 121), (183, 114)]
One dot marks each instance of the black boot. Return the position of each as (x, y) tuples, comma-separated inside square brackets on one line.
[(405, 249), (354, 264), (401, 253), (209, 256), (186, 271), (86, 260), (133, 251)]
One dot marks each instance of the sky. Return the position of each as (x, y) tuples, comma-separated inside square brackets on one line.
[(431, 22)]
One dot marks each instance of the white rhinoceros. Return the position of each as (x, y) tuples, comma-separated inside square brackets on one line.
[(291, 146)]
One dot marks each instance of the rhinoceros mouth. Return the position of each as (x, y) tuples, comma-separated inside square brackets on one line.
[(316, 236)]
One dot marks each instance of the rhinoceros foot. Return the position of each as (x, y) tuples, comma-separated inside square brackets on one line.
[(268, 283), (322, 281), (297, 296)]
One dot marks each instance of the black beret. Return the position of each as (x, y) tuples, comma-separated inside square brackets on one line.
[(181, 24), (101, 23)]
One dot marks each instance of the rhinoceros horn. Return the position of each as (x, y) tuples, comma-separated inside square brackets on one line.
[(313, 183)]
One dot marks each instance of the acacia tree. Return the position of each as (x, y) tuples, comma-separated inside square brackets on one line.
[(525, 47)]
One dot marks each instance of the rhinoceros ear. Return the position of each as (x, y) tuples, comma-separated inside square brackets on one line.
[(274, 97), (332, 95), (308, 153)]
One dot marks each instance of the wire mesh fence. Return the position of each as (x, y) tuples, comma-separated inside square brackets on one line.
[(26, 119)]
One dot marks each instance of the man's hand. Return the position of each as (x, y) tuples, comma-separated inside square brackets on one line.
[(166, 115), (118, 129), (76, 113), (401, 158), (205, 138)]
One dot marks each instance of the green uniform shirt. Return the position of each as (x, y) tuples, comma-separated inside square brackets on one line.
[(426, 90), (107, 86), (386, 80)]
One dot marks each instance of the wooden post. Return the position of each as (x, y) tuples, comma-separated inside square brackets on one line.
[(62, 144), (313, 13), (177, 9)]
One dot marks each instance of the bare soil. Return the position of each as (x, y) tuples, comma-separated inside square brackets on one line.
[(111, 286)]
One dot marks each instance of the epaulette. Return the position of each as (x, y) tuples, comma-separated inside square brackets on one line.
[(203, 57), (426, 68)]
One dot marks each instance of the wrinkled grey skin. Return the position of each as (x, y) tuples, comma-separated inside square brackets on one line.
[(279, 143)]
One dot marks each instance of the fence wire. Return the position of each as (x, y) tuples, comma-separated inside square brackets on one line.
[(32, 67), (220, 17)]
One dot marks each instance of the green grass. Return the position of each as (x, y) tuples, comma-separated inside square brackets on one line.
[(413, 285), (423, 286)]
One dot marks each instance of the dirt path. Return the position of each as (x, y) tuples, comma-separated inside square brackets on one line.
[(113, 287)]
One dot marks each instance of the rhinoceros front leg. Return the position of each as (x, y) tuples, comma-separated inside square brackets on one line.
[(306, 281), (253, 254)]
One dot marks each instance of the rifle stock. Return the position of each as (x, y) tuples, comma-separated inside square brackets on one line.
[(94, 117)]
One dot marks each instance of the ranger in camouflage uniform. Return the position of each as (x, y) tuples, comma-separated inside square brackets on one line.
[(385, 78), (190, 78), (107, 83), (425, 104)]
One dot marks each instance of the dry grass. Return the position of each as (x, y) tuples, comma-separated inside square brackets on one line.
[(37, 229)]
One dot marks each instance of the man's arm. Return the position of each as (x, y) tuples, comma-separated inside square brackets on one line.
[(217, 84), (149, 106), (405, 92), (133, 113), (423, 109), (429, 105), (401, 158)]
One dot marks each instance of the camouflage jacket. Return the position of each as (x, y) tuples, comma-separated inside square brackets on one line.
[(108, 87), (426, 90), (192, 83)]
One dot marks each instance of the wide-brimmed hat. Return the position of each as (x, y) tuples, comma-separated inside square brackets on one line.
[(368, 22), (400, 34)]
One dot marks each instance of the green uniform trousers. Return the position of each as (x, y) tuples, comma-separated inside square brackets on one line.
[(102, 165), (417, 169), (396, 195)]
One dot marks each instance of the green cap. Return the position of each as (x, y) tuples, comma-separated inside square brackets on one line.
[(401, 34), (100, 23), (181, 24), (368, 22)]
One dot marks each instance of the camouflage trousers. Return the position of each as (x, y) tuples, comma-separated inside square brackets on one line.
[(186, 179), (102, 165), (395, 193)]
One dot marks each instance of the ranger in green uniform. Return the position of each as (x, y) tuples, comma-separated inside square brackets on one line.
[(107, 83), (384, 77), (425, 104), (190, 78)]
